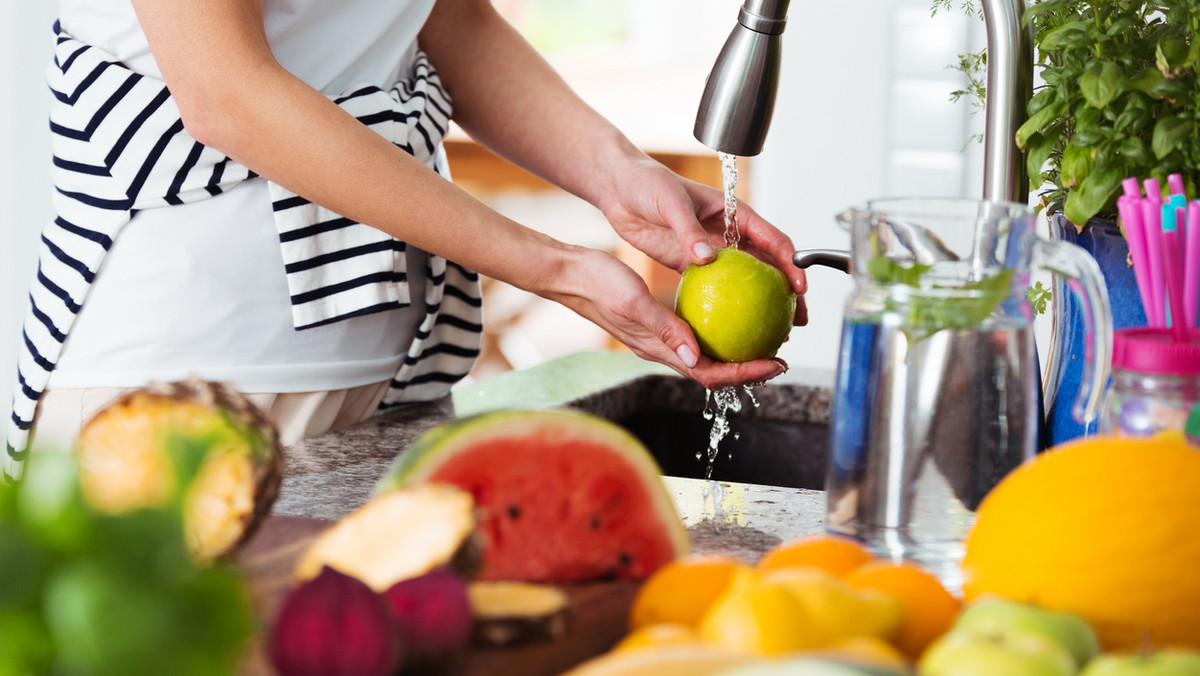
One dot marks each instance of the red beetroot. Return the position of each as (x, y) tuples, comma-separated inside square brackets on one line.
[(433, 612), (334, 625)]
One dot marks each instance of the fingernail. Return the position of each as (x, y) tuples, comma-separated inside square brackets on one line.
[(703, 251), (685, 353)]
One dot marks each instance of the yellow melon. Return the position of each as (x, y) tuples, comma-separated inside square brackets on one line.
[(1106, 528)]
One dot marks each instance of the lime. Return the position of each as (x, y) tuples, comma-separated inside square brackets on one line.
[(739, 307)]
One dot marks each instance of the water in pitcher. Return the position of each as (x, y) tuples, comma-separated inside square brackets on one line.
[(926, 425)]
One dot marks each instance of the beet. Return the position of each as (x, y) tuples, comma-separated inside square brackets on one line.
[(432, 611), (335, 625)]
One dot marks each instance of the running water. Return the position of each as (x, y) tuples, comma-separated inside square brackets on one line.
[(719, 404), (729, 178)]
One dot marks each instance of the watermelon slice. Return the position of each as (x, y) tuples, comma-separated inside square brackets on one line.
[(564, 496)]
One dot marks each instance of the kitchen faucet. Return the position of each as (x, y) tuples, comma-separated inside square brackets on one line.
[(739, 95)]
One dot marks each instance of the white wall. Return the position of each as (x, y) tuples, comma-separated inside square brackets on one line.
[(25, 44)]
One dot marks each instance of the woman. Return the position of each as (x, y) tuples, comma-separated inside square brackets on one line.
[(274, 171)]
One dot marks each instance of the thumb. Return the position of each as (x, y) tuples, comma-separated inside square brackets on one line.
[(677, 335), (692, 236)]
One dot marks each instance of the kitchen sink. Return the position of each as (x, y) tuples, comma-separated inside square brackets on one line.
[(784, 441)]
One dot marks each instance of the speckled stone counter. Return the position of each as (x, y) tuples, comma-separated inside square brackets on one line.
[(329, 476)]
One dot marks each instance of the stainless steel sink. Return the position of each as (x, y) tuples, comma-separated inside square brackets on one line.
[(784, 441)]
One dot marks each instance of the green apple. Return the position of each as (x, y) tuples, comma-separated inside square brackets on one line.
[(1166, 662), (995, 616), (808, 666), (964, 653)]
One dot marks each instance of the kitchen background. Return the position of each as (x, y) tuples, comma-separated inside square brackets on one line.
[(863, 111)]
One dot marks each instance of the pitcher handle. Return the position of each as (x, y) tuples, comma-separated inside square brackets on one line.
[(1073, 262)]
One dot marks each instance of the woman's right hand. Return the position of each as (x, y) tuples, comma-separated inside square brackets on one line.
[(602, 289)]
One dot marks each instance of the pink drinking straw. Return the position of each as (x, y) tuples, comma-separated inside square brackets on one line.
[(1175, 184), (1156, 312), (1132, 189), (1153, 191), (1129, 208), (1191, 264), (1179, 327)]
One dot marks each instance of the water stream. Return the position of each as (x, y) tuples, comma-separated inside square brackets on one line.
[(729, 179), (719, 404)]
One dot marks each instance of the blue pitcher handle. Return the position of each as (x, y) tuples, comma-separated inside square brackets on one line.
[(1084, 279)]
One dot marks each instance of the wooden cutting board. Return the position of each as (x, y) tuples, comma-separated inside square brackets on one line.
[(598, 621)]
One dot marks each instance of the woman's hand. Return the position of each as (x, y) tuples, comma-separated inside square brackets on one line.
[(607, 292), (676, 221)]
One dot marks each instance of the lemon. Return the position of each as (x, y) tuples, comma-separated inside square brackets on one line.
[(837, 609), (739, 307), (759, 618)]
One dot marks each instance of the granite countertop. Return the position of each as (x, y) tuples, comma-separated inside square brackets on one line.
[(329, 476)]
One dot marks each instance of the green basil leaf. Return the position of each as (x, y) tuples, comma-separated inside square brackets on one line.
[(1041, 99), (1088, 129), (1037, 153), (1120, 27), (1038, 120), (1169, 89), (1134, 150), (1075, 165), (889, 271), (1169, 134), (1066, 36), (1170, 55), (1094, 193), (1146, 79), (1102, 82), (1037, 9), (927, 315)]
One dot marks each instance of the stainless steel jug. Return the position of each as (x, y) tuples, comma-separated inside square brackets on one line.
[(937, 392)]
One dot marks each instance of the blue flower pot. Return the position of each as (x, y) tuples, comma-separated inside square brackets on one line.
[(1104, 241)]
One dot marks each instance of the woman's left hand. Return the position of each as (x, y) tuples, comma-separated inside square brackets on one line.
[(677, 221)]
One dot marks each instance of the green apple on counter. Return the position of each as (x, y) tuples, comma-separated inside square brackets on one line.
[(1000, 617), (809, 666), (1166, 662), (966, 653)]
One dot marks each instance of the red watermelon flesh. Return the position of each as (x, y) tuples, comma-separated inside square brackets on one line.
[(535, 532), (562, 496)]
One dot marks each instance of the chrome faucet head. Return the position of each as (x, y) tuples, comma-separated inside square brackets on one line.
[(739, 95)]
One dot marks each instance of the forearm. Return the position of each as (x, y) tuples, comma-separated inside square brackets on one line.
[(509, 99), (237, 99)]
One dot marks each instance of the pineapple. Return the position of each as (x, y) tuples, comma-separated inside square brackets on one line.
[(199, 444)]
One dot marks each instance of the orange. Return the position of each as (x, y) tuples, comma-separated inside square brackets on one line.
[(681, 591), (929, 609), (834, 554), (1106, 528)]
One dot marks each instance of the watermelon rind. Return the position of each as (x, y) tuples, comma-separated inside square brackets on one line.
[(437, 446)]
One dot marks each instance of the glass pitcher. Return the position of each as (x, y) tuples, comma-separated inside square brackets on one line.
[(937, 392)]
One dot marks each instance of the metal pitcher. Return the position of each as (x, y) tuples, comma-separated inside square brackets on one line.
[(937, 392)]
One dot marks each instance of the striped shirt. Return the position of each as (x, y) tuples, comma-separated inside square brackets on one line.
[(119, 147)]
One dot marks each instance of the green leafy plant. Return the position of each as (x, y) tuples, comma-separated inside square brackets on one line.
[(929, 310), (91, 593), (1039, 297), (1120, 98)]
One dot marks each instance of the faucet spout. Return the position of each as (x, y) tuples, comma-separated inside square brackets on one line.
[(739, 95), (1009, 86)]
